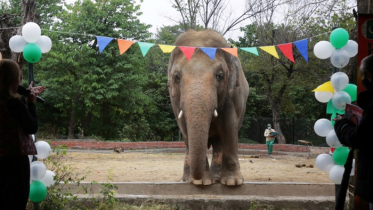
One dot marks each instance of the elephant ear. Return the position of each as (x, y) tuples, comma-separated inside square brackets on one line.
[(169, 76), (234, 69)]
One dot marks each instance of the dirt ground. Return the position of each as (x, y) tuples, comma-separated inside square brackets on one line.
[(168, 167)]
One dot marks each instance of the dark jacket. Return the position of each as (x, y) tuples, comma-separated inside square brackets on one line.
[(17, 122), (360, 137)]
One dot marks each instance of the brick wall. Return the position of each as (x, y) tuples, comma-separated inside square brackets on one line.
[(92, 144)]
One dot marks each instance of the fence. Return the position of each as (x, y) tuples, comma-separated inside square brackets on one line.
[(293, 129)]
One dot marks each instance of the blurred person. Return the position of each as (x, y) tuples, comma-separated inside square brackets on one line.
[(359, 137), (17, 122), (270, 139)]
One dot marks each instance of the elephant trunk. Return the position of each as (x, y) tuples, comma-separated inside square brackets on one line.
[(199, 110)]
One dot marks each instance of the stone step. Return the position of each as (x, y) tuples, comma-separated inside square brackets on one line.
[(268, 189), (214, 202)]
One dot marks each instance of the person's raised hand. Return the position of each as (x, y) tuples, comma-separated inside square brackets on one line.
[(36, 90)]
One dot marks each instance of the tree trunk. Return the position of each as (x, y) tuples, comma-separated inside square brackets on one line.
[(276, 107), (28, 15), (72, 124)]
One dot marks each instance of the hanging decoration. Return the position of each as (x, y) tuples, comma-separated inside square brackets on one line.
[(188, 51)]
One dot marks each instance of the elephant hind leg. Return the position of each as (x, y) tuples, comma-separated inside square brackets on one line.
[(186, 173), (217, 159)]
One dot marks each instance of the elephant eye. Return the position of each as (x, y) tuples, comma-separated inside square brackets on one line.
[(220, 76), (177, 77)]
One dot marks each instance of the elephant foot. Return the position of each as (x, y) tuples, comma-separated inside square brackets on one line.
[(232, 178), (202, 181)]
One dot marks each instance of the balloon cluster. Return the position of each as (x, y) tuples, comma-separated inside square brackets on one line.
[(40, 176), (31, 43), (340, 49), (337, 93)]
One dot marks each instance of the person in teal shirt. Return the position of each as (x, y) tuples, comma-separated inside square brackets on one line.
[(270, 140)]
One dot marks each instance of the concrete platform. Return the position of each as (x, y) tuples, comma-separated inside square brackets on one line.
[(285, 195)]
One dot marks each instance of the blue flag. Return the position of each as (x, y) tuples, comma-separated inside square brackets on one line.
[(103, 42), (302, 46), (209, 51)]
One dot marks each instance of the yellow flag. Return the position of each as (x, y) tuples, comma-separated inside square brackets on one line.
[(166, 48), (326, 87), (270, 50)]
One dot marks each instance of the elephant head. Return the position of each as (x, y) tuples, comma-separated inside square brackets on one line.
[(201, 89)]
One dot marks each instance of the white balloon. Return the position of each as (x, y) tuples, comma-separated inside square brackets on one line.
[(323, 49), (323, 97), (353, 168), (340, 99), (37, 170), (339, 81), (332, 139), (44, 43), (43, 149), (339, 58), (17, 43), (336, 174), (351, 48), (31, 32), (324, 162), (48, 179), (322, 127)]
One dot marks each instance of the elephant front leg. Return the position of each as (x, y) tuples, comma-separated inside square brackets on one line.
[(207, 178), (231, 173)]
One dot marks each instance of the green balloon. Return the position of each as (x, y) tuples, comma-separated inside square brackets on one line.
[(38, 191), (330, 109), (334, 115), (351, 89), (339, 38), (32, 53), (340, 155)]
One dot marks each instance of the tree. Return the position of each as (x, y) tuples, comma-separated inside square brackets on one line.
[(214, 15), (95, 92), (285, 83), (14, 16)]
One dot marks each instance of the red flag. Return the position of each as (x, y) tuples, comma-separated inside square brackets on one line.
[(188, 51), (287, 50)]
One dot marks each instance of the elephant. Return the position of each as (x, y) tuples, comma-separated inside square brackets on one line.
[(208, 98)]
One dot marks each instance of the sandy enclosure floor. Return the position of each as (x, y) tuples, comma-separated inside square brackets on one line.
[(168, 167)]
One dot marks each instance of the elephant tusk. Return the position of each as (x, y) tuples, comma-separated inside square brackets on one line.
[(180, 114), (215, 113)]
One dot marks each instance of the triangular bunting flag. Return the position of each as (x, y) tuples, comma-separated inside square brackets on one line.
[(252, 50), (270, 50), (287, 50), (166, 48), (188, 51), (209, 51), (232, 51), (124, 45), (103, 42), (302, 46), (144, 47)]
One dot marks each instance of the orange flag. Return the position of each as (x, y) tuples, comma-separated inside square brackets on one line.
[(232, 51), (124, 45)]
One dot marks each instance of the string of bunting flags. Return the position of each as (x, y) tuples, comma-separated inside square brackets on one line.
[(286, 49)]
